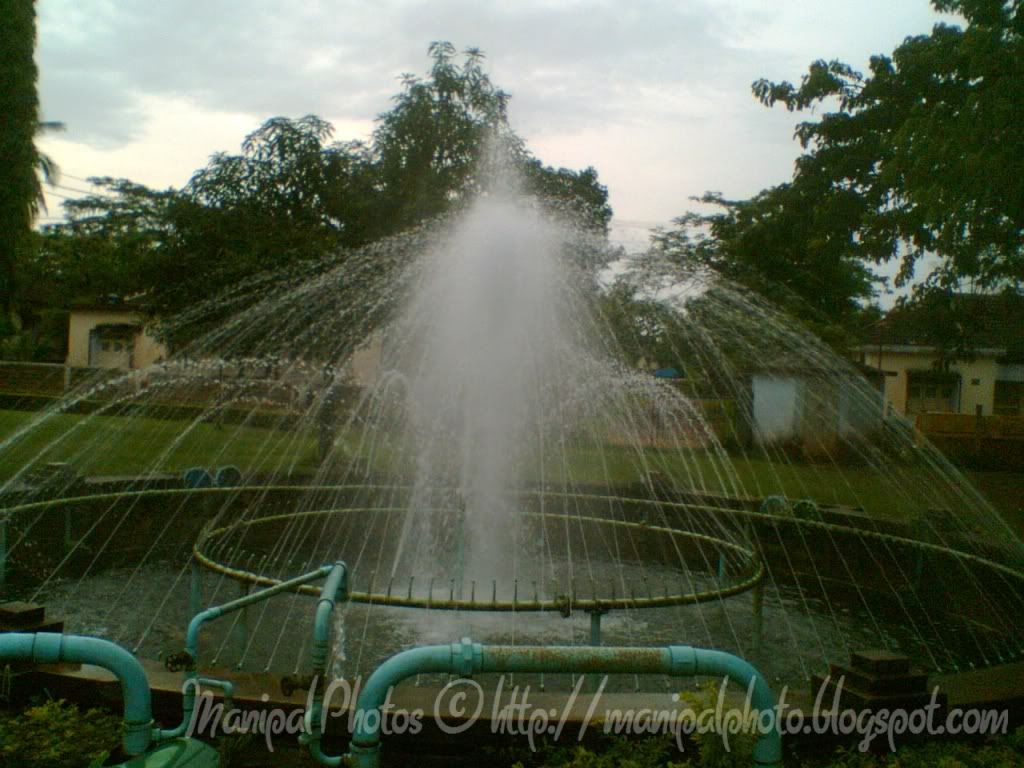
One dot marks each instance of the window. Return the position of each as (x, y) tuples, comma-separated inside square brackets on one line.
[(105, 346), (932, 392)]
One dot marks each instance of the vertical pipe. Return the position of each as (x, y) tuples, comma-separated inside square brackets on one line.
[(209, 614), (460, 545), (335, 588)]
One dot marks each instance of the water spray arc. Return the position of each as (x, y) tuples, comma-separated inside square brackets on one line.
[(510, 474)]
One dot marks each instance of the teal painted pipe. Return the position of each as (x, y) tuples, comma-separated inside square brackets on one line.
[(226, 687), (192, 642), (334, 589), (52, 648), (467, 658), (192, 635)]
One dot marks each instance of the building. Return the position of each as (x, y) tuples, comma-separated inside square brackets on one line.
[(111, 335), (814, 408), (964, 355)]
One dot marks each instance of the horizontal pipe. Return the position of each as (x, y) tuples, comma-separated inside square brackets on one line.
[(192, 635), (467, 658), (596, 659), (53, 648)]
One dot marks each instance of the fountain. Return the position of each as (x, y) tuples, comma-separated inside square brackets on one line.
[(502, 474)]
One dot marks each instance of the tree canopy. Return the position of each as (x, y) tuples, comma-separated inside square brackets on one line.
[(19, 122), (785, 244), (919, 161), (927, 149), (292, 194)]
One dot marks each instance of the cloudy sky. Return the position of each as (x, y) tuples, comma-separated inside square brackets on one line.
[(654, 94)]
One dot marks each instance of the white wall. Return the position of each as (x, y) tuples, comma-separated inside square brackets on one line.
[(776, 407)]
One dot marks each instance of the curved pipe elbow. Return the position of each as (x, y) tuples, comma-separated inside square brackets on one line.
[(430, 658), (768, 749), (52, 648)]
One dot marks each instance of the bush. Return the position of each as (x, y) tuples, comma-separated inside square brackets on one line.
[(1004, 752), (58, 735), (612, 753)]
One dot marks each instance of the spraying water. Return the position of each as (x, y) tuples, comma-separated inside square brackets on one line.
[(503, 451), (482, 337)]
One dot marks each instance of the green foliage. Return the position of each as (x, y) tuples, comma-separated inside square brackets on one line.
[(428, 145), (717, 750), (645, 332), (576, 194), (786, 244), (44, 342), (19, 121), (924, 154), (58, 735), (610, 752), (999, 752), (292, 203)]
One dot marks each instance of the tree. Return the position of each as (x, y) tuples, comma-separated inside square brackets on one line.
[(262, 209), (19, 122), (448, 138), (576, 194), (928, 148), (790, 244), (293, 204), (110, 240), (428, 146), (644, 331)]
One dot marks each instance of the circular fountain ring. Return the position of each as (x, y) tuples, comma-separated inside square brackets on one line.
[(563, 604), (1012, 573)]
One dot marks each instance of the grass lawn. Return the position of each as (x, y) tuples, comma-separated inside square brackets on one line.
[(126, 446), (133, 445)]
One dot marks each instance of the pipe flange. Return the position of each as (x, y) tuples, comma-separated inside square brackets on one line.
[(467, 657), (683, 660)]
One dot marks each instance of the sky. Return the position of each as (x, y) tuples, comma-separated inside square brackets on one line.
[(654, 94)]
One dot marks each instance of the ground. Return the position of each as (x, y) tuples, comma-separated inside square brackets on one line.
[(132, 445)]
